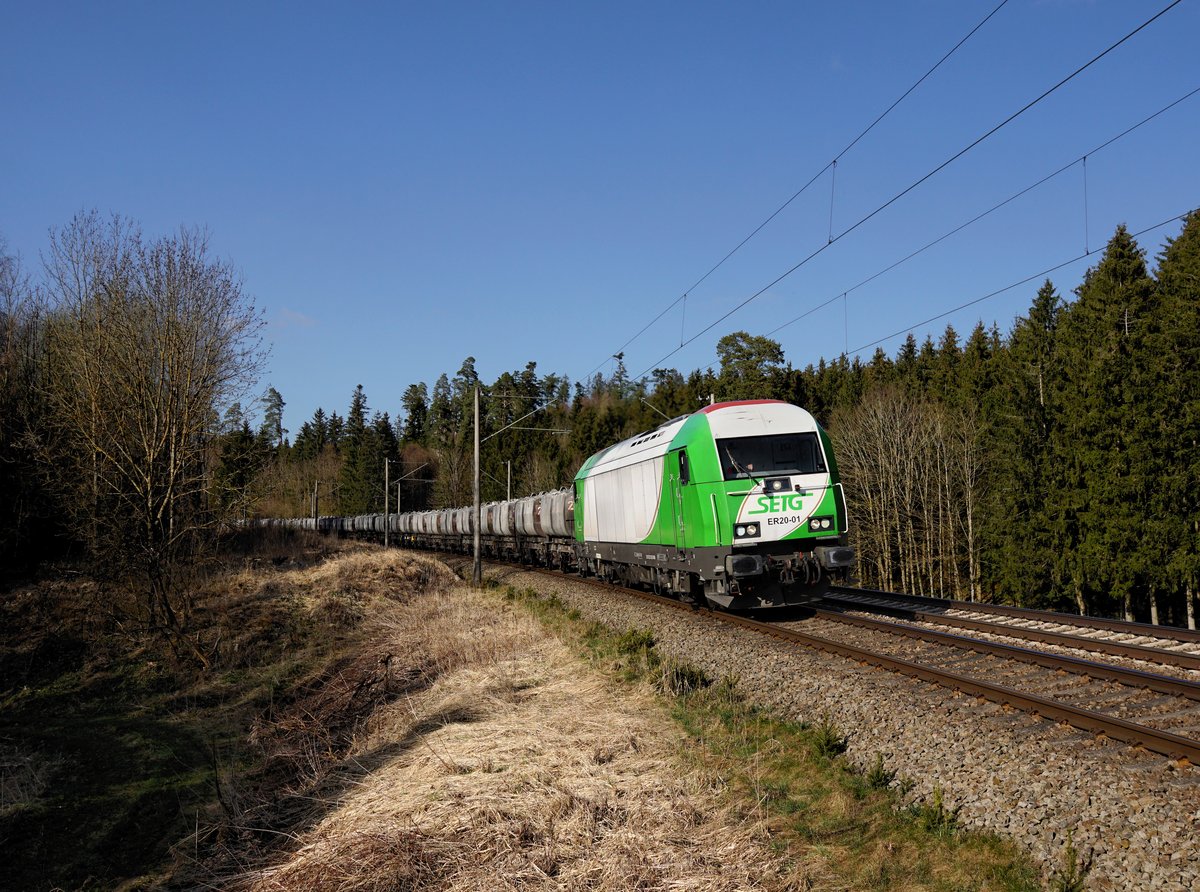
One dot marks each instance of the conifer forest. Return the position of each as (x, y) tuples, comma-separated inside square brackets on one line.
[(1055, 464)]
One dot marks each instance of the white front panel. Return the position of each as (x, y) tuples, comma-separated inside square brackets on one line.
[(777, 515)]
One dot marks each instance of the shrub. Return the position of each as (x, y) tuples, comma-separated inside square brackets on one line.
[(828, 740), (935, 817), (1072, 876), (878, 777), (635, 641), (681, 678)]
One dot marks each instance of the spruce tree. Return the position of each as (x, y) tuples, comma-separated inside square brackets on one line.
[(242, 458), (906, 362), (945, 383), (416, 413), (336, 429), (1017, 527), (356, 477), (305, 446), (1105, 491), (879, 372), (1174, 347)]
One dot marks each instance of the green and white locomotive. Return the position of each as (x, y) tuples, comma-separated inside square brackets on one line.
[(738, 505)]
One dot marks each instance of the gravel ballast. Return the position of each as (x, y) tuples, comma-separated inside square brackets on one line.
[(1005, 771)]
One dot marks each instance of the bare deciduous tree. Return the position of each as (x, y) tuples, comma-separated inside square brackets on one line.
[(913, 473), (20, 316), (146, 342)]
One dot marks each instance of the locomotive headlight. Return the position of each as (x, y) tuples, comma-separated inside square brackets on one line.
[(820, 524), (741, 531), (745, 530), (752, 530)]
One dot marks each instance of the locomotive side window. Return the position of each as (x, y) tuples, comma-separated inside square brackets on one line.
[(743, 457), (684, 475)]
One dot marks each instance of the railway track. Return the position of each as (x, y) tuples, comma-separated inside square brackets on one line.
[(1147, 699), (1154, 646), (1143, 709), (1011, 765)]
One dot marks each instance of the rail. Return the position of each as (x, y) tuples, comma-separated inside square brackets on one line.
[(1148, 630), (1095, 645), (1165, 743)]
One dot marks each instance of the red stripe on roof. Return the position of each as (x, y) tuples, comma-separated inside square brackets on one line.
[(715, 406)]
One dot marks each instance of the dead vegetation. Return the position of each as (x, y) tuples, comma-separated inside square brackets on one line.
[(482, 754), (114, 748), (369, 723), (24, 777)]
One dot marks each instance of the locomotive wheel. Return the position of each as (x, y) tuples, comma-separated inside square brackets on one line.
[(692, 591)]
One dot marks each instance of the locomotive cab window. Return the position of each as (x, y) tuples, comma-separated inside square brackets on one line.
[(743, 457)]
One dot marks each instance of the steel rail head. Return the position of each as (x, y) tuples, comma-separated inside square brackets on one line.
[(1165, 743), (1170, 633), (1172, 745), (1162, 684), (1132, 651)]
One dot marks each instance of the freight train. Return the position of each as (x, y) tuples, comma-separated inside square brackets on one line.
[(738, 505)]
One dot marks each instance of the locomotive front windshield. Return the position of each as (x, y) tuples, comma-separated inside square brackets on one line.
[(743, 457)]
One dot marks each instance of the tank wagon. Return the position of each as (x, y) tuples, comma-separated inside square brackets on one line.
[(738, 505)]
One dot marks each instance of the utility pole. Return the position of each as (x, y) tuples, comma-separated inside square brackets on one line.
[(477, 573), (316, 503), (387, 463), (508, 491)]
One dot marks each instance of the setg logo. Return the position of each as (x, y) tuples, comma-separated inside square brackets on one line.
[(779, 504)]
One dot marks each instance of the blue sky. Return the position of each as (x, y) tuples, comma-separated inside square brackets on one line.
[(403, 185)]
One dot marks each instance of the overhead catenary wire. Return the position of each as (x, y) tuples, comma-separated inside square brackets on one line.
[(1047, 178), (974, 144), (816, 176), (1025, 281), (832, 193)]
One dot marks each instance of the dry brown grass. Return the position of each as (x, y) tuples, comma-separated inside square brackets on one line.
[(24, 776), (492, 758)]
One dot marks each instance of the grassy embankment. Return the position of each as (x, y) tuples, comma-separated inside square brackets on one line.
[(120, 761), (837, 826), (369, 723)]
